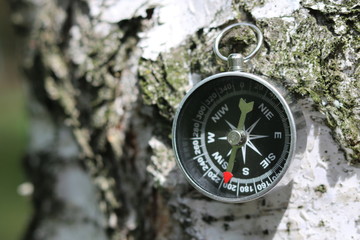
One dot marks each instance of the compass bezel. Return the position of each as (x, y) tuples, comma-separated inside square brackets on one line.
[(288, 114)]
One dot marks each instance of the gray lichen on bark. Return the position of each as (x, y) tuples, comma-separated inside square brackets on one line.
[(165, 81), (322, 65)]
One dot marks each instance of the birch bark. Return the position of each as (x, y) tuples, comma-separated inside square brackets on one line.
[(105, 78)]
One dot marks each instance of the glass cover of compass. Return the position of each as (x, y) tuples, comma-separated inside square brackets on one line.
[(234, 136)]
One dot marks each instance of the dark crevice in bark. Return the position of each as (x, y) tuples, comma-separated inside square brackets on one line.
[(245, 12), (36, 76), (36, 174), (144, 197), (65, 29), (27, 10), (326, 19), (124, 170), (86, 101), (323, 20), (46, 204)]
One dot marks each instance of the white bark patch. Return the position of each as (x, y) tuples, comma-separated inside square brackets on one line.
[(179, 19), (114, 11), (61, 230), (77, 51), (326, 188), (66, 147), (276, 8), (76, 189), (80, 216), (42, 129), (162, 161)]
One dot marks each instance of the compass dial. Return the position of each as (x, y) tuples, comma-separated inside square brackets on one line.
[(234, 137)]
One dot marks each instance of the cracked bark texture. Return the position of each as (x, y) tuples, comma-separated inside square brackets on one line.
[(105, 78)]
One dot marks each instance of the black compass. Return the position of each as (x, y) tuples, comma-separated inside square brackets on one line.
[(234, 136)]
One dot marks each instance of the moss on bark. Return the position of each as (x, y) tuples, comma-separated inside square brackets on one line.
[(314, 53)]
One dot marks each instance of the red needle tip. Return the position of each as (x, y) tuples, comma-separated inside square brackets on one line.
[(227, 176)]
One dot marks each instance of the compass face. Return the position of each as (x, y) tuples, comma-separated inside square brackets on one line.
[(234, 137)]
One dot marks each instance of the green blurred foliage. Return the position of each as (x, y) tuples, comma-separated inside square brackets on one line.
[(14, 209)]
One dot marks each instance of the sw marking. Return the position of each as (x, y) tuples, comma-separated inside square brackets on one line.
[(220, 160)]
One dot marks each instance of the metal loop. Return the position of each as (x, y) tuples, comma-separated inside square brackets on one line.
[(259, 38)]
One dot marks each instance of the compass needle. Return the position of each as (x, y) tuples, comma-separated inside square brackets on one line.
[(227, 174), (245, 108), (234, 137)]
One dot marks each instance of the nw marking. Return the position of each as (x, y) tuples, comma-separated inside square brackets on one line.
[(220, 113)]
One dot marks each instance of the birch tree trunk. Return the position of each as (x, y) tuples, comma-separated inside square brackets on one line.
[(105, 78)]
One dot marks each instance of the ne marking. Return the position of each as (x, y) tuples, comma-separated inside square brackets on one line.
[(265, 110)]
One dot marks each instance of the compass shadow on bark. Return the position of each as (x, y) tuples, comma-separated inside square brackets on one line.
[(258, 219), (333, 160), (266, 213), (330, 159)]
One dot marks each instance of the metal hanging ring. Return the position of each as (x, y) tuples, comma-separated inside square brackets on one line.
[(259, 38)]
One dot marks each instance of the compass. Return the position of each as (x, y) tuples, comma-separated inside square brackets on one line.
[(234, 134)]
